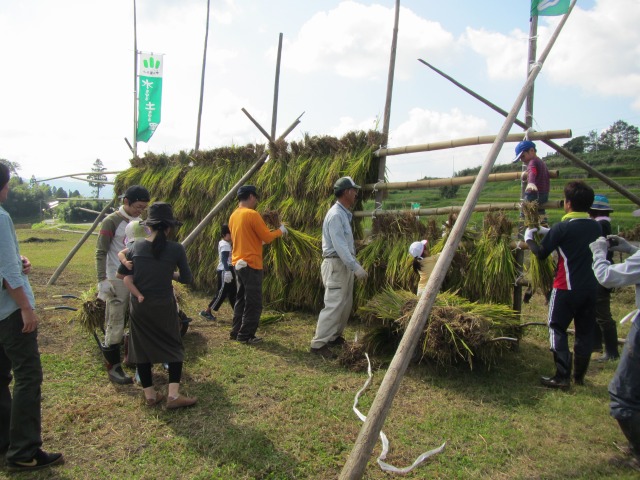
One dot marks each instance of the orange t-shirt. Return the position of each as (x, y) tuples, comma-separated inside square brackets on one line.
[(248, 231)]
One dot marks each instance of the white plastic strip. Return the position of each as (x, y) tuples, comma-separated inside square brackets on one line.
[(385, 442), (629, 316)]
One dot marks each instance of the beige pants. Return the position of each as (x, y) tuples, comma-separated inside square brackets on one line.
[(338, 299), (115, 312)]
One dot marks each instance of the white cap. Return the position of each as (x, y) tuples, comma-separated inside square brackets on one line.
[(417, 248)]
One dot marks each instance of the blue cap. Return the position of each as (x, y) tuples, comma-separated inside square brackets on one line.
[(600, 202), (523, 147)]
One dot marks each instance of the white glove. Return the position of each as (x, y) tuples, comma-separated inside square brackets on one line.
[(531, 187), (283, 229), (360, 272), (528, 234), (599, 248), (105, 290), (543, 230), (619, 244), (228, 276), (240, 264), (524, 176)]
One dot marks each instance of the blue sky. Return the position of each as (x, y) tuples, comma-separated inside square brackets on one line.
[(66, 91)]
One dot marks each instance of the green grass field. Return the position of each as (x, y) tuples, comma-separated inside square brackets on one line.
[(275, 412)]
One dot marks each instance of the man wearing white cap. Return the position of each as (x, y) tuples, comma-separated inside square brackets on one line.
[(339, 265)]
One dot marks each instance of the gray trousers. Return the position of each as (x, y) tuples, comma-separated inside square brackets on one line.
[(624, 389), (338, 300), (248, 307), (20, 420)]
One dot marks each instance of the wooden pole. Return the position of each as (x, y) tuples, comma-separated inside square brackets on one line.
[(561, 150), (359, 456), (276, 87), (73, 251), (258, 126), (72, 174), (448, 182), (465, 142), (487, 207), (382, 162), (204, 67), (231, 194), (135, 82)]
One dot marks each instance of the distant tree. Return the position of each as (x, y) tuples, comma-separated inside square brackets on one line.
[(33, 182), (98, 168), (74, 194), (60, 193), (13, 166), (577, 145), (591, 143), (620, 136), (449, 191)]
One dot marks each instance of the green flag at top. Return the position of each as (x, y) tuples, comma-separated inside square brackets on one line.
[(549, 7), (149, 96)]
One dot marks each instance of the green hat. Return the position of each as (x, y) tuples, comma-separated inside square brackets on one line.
[(344, 183)]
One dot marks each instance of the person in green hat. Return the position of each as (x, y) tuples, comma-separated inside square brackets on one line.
[(606, 328)]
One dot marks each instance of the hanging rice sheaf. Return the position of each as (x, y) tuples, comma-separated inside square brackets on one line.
[(540, 272), (457, 329), (457, 272)]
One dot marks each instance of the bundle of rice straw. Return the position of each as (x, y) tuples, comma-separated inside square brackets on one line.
[(540, 272)]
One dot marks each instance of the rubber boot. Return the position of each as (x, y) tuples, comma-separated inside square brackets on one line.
[(631, 429), (562, 378), (597, 339), (580, 366), (114, 367), (610, 336)]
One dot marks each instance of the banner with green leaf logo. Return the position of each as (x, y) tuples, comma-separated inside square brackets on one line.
[(149, 95), (549, 7)]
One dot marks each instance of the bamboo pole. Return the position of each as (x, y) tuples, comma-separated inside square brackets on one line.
[(465, 142), (359, 456), (258, 126), (73, 251), (276, 89), (231, 194), (561, 150), (105, 182), (448, 182), (382, 163), (72, 174), (485, 207), (204, 67), (135, 82)]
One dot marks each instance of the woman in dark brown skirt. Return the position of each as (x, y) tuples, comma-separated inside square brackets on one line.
[(154, 324)]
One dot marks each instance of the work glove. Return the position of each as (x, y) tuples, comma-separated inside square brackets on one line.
[(543, 230), (105, 290), (619, 244), (283, 229), (528, 234), (531, 187), (599, 248), (228, 276), (240, 264), (360, 272), (524, 176)]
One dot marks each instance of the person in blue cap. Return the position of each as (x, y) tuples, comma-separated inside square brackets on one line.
[(606, 328), (536, 176)]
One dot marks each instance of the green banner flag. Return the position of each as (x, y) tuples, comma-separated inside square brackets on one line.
[(549, 7), (149, 96)]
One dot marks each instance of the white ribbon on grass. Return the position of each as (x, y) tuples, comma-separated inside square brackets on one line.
[(629, 316), (385, 442)]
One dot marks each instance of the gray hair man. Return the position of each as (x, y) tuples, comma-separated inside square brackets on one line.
[(339, 265)]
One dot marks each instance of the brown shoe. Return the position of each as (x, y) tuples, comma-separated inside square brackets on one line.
[(152, 402), (180, 402), (324, 351)]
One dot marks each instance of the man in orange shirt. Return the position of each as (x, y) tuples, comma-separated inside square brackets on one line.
[(248, 234)]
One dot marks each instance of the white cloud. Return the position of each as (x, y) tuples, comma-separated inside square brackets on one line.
[(503, 53), (353, 40)]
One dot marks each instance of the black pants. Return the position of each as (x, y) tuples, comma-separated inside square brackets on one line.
[(225, 290), (568, 305), (20, 420), (248, 307)]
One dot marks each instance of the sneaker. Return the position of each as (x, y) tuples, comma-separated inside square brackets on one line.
[(337, 341), (152, 402), (324, 351), (556, 382), (251, 340), (207, 315), (180, 402), (233, 336), (117, 375), (41, 459)]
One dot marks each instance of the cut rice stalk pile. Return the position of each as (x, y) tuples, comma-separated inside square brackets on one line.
[(540, 272), (457, 330), (91, 314)]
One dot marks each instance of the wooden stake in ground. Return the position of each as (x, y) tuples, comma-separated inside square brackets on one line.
[(359, 456)]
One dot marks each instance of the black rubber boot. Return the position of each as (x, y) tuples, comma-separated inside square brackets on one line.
[(631, 429), (114, 368), (562, 378), (580, 367), (597, 339), (610, 336)]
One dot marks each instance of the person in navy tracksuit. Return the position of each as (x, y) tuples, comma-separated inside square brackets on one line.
[(574, 293)]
